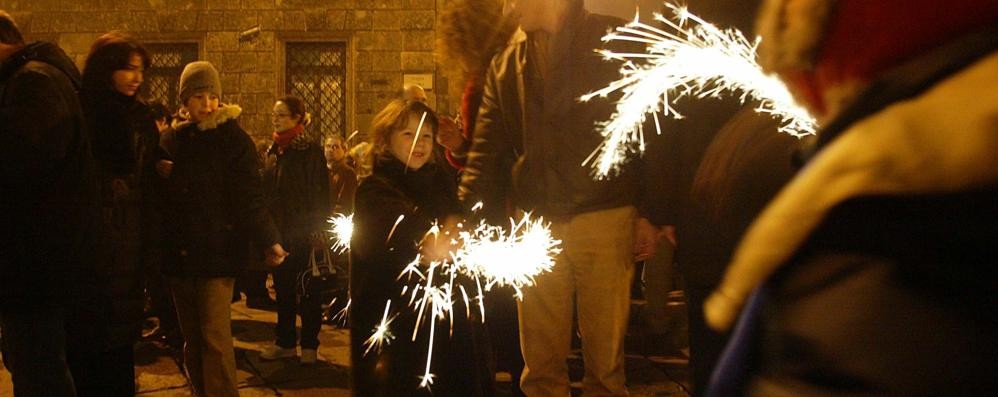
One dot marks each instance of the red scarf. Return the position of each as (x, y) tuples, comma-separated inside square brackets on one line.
[(284, 138)]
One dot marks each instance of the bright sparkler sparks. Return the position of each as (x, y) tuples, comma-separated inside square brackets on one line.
[(341, 316), (342, 232), (489, 255), (382, 333), (691, 58), (507, 258)]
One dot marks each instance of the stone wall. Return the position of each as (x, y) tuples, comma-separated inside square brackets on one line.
[(386, 39)]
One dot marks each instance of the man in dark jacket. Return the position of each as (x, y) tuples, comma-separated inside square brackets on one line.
[(533, 134), (47, 177)]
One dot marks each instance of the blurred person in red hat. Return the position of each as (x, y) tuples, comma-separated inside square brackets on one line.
[(865, 271)]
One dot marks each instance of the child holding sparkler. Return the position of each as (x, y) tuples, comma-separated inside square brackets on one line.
[(395, 207)]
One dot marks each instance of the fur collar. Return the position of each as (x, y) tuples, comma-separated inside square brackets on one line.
[(224, 113), (941, 141)]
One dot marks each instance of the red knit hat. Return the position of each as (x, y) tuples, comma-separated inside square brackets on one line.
[(861, 39)]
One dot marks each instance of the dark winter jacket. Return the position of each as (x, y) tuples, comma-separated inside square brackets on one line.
[(48, 180), (342, 187), (126, 143), (743, 168), (876, 252), (297, 189), (533, 135), (213, 202), (378, 257)]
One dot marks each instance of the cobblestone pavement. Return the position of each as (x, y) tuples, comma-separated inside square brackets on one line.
[(159, 374)]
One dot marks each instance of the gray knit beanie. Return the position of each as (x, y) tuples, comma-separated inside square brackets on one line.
[(199, 76)]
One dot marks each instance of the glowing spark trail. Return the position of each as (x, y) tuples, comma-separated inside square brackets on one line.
[(415, 140), (392, 232), (341, 316), (342, 232), (382, 334), (351, 136), (690, 58)]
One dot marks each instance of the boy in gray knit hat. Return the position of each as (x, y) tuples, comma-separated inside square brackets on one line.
[(200, 81), (213, 204), (199, 76)]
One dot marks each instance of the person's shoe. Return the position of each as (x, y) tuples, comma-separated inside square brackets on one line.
[(309, 356), (275, 352)]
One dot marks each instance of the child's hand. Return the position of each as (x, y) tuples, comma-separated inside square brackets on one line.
[(437, 247)]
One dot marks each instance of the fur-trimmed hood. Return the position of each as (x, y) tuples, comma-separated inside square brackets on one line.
[(942, 141), (223, 114)]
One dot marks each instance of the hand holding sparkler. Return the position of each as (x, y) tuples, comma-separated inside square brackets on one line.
[(440, 243)]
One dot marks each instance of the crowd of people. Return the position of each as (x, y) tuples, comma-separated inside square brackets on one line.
[(849, 263)]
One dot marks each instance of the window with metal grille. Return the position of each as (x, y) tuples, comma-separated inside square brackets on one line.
[(163, 77), (316, 72)]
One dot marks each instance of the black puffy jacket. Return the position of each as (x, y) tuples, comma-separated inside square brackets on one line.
[(213, 203), (297, 188)]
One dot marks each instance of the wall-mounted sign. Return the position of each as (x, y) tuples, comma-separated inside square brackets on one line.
[(424, 80)]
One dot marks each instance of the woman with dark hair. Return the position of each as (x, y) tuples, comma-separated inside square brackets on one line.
[(124, 139), (297, 186)]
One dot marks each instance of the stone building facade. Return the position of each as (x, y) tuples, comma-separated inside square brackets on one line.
[(249, 40)]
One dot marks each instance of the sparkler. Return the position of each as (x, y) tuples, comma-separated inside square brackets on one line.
[(415, 140), (690, 58), (507, 258), (342, 232), (489, 255), (382, 333), (396, 225)]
